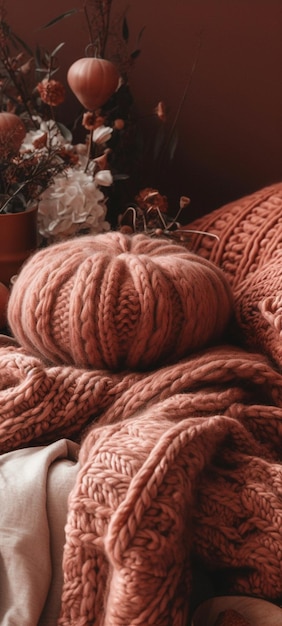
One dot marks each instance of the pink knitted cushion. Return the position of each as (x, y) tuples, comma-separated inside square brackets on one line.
[(117, 301), (249, 230), (249, 250), (258, 306)]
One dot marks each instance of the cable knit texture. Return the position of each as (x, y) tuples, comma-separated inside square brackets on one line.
[(177, 461), (249, 231), (114, 301), (249, 251), (258, 306)]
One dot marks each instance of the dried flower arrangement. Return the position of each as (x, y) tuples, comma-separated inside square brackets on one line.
[(79, 187), (25, 169)]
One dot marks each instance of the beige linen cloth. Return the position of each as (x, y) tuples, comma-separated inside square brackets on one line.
[(34, 487)]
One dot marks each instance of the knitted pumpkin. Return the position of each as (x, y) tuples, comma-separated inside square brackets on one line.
[(117, 301)]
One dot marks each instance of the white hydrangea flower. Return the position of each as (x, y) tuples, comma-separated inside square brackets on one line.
[(73, 203)]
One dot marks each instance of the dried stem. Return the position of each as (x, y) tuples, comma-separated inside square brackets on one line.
[(102, 9), (181, 103), (16, 83)]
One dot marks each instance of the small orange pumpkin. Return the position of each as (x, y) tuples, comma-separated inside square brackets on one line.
[(12, 132), (93, 81), (4, 297)]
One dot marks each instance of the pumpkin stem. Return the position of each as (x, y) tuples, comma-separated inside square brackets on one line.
[(95, 46)]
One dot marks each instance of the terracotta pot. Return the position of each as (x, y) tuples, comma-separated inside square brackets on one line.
[(18, 239)]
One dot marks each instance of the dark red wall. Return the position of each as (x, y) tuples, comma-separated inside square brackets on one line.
[(230, 125)]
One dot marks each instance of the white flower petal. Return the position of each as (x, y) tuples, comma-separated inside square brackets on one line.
[(102, 134), (104, 178)]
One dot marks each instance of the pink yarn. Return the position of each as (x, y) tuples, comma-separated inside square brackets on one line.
[(249, 250), (182, 458), (249, 231), (116, 301), (149, 489), (258, 308)]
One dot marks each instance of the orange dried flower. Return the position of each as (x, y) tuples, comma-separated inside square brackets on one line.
[(51, 91), (91, 121), (149, 199), (119, 124), (40, 142), (184, 202), (126, 229), (69, 156), (100, 120), (160, 111), (88, 120)]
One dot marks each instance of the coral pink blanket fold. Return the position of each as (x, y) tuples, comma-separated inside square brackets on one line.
[(180, 461)]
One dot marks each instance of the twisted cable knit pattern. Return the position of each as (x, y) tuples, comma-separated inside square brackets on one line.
[(116, 301), (249, 251), (178, 460), (249, 232), (258, 308), (139, 510), (39, 404)]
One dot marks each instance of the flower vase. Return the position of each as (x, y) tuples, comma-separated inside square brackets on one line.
[(18, 239)]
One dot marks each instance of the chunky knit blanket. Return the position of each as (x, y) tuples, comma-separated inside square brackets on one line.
[(180, 461)]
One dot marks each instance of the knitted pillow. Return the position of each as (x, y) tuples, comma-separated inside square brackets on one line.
[(249, 230), (258, 307), (117, 301), (249, 250)]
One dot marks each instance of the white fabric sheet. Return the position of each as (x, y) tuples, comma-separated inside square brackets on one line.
[(34, 487)]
